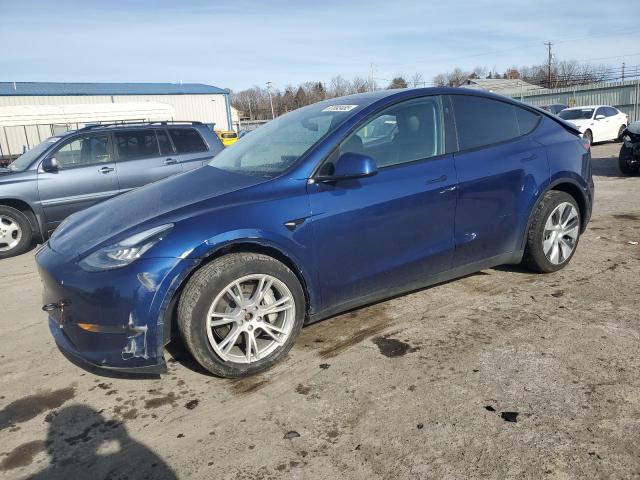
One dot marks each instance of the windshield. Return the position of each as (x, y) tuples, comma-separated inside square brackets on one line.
[(576, 114), (23, 161), (274, 147)]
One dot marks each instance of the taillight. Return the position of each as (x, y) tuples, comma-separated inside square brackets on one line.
[(586, 145)]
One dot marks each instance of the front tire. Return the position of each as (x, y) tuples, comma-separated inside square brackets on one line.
[(241, 313), (624, 162), (553, 234), (15, 232)]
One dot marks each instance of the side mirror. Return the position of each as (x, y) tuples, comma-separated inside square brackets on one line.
[(50, 164), (352, 165), (599, 117)]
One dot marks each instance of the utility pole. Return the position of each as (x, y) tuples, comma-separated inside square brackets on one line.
[(623, 71), (372, 85), (273, 115), (548, 45)]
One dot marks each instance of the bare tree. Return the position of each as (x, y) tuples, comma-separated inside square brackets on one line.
[(457, 77), (359, 85), (417, 80), (440, 80), (339, 87)]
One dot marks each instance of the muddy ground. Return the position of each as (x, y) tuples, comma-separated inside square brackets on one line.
[(500, 374)]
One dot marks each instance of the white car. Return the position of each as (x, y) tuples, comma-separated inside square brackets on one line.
[(597, 123)]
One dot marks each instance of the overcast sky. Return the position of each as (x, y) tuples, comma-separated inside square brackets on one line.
[(243, 43)]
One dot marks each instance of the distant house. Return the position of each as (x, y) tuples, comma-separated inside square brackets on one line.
[(502, 86)]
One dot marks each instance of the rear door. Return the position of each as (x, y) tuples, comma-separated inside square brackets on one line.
[(191, 149), (143, 156), (86, 175), (500, 168), (604, 127), (617, 119)]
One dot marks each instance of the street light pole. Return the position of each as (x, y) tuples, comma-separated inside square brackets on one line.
[(273, 115)]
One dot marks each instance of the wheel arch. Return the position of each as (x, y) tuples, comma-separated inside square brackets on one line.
[(241, 245), (568, 186), (28, 212)]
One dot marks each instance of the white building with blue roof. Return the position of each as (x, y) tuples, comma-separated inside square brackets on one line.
[(33, 111)]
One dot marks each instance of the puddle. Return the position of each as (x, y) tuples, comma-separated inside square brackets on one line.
[(29, 407), (22, 455), (392, 348)]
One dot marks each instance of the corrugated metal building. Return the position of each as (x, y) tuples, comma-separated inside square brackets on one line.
[(624, 95), (190, 101), (502, 86)]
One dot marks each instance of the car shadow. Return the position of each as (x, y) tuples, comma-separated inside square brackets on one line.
[(606, 167), (179, 354), (81, 443)]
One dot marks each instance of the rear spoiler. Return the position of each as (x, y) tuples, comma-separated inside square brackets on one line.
[(568, 126)]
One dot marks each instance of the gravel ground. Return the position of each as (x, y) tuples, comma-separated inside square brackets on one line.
[(500, 374)]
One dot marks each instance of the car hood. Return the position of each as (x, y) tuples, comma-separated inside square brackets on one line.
[(165, 201), (634, 128), (580, 123)]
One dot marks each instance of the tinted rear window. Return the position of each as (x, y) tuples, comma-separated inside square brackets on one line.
[(482, 121), (527, 120), (136, 144), (187, 140)]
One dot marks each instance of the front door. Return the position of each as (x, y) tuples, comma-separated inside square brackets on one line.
[(395, 228), (86, 175)]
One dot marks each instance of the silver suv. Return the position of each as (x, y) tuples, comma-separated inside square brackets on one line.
[(77, 169)]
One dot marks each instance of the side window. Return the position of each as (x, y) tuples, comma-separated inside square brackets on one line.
[(163, 141), (600, 111), (136, 144), (83, 151), (527, 120), (405, 132), (611, 112), (187, 140), (483, 121)]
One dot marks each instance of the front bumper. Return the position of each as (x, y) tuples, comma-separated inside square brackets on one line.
[(115, 318)]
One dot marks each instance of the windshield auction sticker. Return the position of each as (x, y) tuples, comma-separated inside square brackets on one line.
[(340, 108)]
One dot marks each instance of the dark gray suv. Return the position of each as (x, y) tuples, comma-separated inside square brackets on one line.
[(77, 169)]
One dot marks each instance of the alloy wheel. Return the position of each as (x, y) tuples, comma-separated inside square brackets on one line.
[(561, 232), (10, 233), (250, 318)]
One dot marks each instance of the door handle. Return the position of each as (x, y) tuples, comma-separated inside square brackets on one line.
[(531, 157), (170, 161), (441, 178), (106, 170)]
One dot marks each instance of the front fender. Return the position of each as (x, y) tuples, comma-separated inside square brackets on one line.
[(297, 254)]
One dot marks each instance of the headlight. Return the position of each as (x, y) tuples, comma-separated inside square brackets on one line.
[(126, 251)]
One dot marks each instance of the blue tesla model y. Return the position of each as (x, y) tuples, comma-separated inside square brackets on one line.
[(332, 206)]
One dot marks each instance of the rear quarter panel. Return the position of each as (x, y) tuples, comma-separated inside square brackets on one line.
[(569, 162)]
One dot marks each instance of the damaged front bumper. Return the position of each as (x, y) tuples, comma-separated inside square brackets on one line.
[(111, 319)]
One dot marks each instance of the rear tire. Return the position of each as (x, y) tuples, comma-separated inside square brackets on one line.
[(15, 232), (620, 132), (624, 162), (588, 137), (228, 330), (552, 238)]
